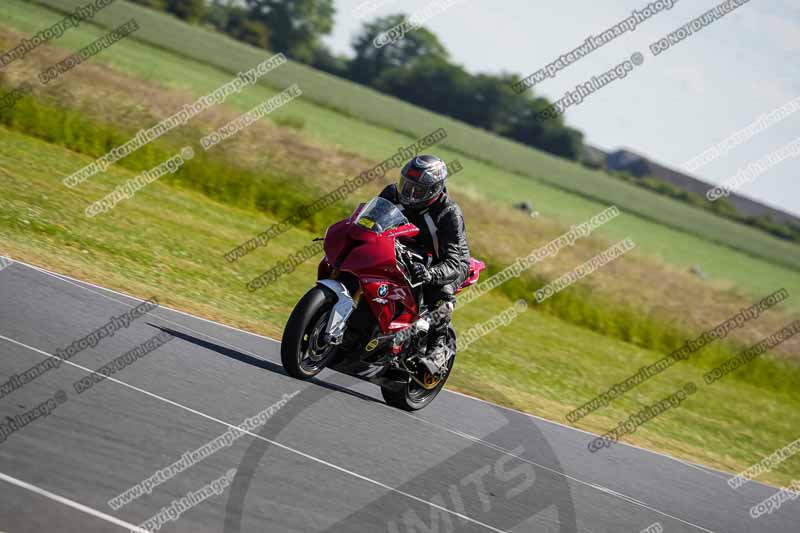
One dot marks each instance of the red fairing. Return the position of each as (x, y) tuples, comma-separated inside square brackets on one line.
[(324, 270), (371, 257), (370, 254), (475, 269), (396, 310), (335, 241)]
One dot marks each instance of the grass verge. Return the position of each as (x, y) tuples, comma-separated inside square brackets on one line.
[(361, 119), (161, 241)]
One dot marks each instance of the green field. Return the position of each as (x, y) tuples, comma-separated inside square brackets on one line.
[(160, 243), (345, 114), (169, 241)]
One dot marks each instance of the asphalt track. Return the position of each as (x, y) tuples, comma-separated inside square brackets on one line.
[(334, 458)]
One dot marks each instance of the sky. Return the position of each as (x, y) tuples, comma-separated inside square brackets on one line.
[(673, 107)]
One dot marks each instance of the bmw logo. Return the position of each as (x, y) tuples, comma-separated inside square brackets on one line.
[(383, 290)]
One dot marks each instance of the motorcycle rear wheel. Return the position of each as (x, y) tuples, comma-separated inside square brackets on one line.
[(412, 396)]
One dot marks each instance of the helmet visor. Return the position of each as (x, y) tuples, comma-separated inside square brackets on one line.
[(413, 192)]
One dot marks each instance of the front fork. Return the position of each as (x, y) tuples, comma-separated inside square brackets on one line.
[(343, 307)]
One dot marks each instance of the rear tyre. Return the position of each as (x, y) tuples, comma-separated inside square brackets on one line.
[(303, 351), (412, 396)]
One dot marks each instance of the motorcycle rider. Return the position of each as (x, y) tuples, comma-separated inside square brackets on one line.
[(422, 196)]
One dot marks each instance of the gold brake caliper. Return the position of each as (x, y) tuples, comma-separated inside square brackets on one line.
[(429, 381)]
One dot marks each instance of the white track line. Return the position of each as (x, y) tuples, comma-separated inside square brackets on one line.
[(270, 441), (460, 434), (606, 490), (721, 474), (70, 503), (601, 488)]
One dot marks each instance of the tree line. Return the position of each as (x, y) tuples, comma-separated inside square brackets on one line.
[(417, 68)]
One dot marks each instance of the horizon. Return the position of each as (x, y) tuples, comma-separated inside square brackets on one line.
[(712, 85)]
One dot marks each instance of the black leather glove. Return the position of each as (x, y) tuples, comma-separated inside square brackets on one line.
[(420, 273)]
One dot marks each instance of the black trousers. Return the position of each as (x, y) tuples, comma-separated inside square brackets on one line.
[(440, 299)]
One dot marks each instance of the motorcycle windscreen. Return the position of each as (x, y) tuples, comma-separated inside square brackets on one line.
[(380, 215)]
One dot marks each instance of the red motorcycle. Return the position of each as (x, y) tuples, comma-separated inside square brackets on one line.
[(366, 317)]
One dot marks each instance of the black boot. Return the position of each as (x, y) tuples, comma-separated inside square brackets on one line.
[(435, 358)]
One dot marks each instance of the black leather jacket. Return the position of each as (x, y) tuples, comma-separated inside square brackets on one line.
[(442, 232)]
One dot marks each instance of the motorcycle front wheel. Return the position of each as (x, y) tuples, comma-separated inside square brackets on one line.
[(304, 353)]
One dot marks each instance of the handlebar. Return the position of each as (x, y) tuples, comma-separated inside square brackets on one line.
[(408, 256), (411, 254)]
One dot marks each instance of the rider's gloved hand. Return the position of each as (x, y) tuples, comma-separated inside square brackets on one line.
[(420, 273)]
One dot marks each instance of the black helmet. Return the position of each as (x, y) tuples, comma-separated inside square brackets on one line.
[(421, 181)]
